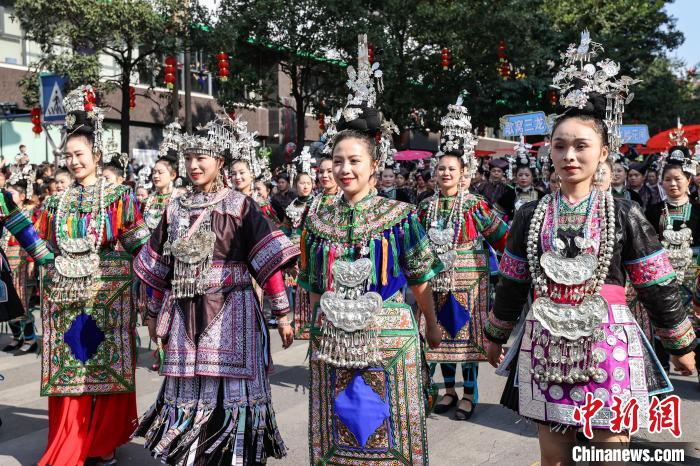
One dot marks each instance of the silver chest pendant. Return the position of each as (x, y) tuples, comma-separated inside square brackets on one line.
[(349, 332), (680, 254)]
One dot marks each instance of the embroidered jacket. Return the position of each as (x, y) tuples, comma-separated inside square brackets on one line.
[(391, 232), (637, 253), (214, 334)]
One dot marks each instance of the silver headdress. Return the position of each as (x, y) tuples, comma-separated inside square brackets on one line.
[(22, 172), (304, 161), (246, 148), (361, 82), (213, 139), (679, 154), (386, 145), (522, 158), (143, 179), (580, 78), (80, 106), (329, 136), (457, 137)]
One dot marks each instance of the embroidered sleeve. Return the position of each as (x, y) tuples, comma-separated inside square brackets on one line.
[(150, 265), (419, 262), (270, 249), (154, 301), (514, 268), (129, 225), (491, 226), (277, 294), (650, 270), (651, 273), (498, 330), (19, 226)]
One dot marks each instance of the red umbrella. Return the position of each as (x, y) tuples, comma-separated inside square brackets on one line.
[(412, 155), (660, 141)]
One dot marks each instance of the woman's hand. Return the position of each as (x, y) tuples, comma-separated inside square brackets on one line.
[(433, 335), (286, 333), (494, 353), (684, 364)]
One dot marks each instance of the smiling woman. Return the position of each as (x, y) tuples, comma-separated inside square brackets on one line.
[(358, 252)]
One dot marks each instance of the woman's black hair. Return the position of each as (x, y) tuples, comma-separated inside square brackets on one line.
[(525, 167), (82, 127), (593, 111), (296, 180), (452, 154), (170, 159), (367, 139)]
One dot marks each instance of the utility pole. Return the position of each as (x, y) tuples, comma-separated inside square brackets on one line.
[(187, 76)]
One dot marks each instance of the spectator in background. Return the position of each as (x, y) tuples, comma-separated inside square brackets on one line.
[(423, 190), (63, 180), (113, 173), (283, 197)]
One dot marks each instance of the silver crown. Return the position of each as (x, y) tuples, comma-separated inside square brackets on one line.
[(601, 77), (81, 99), (457, 134), (361, 82)]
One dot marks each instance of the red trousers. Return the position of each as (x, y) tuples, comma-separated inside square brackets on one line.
[(88, 426)]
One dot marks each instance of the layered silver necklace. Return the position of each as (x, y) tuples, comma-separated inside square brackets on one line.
[(349, 332), (78, 264), (678, 243), (572, 327), (193, 250), (444, 240)]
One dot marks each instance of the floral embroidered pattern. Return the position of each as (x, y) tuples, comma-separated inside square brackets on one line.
[(677, 337), (498, 330), (514, 267), (650, 270)]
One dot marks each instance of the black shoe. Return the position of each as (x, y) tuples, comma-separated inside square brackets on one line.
[(442, 408), (26, 349), (272, 323), (12, 346), (463, 414)]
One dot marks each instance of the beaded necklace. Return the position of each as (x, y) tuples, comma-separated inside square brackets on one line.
[(678, 243), (78, 264), (572, 327), (444, 240)]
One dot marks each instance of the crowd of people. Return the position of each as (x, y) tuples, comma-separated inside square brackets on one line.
[(585, 256)]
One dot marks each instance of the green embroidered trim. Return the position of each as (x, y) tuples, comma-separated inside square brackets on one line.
[(113, 192)]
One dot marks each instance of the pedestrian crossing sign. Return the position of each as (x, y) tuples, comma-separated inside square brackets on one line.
[(52, 88)]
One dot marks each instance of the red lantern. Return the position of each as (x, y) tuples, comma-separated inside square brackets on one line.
[(370, 53), (445, 59), (502, 50), (169, 71), (36, 120), (132, 97), (232, 114), (552, 97), (224, 72), (322, 120)]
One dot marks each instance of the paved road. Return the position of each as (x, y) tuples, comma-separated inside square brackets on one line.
[(494, 435)]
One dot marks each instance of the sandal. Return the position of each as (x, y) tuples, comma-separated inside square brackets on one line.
[(155, 367), (463, 414), (442, 408)]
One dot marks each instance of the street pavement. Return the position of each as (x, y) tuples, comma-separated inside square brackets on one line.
[(494, 435)]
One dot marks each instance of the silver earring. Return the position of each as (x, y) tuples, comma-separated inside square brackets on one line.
[(598, 178)]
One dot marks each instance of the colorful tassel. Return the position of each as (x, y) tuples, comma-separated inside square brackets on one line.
[(385, 261), (395, 254), (304, 258), (372, 258)]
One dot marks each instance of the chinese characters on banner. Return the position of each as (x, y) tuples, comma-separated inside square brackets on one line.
[(662, 415), (525, 124), (634, 134)]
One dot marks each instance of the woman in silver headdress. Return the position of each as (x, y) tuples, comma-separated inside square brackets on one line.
[(199, 266), (574, 249)]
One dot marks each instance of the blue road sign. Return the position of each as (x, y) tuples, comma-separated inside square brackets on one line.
[(634, 134), (52, 89), (525, 124)]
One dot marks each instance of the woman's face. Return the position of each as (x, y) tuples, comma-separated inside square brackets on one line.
[(420, 182), (388, 178), (577, 150), (62, 182), (652, 178), (449, 173), (635, 179), (619, 175), (400, 181), (202, 169), (675, 183), (80, 160), (261, 189), (523, 178), (353, 166), (242, 177), (325, 176), (141, 195), (163, 176), (111, 177), (304, 184)]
